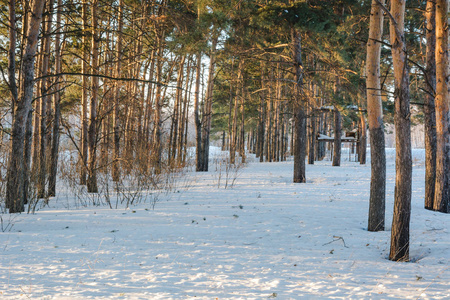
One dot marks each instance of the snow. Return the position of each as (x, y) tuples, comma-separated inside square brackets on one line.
[(262, 237)]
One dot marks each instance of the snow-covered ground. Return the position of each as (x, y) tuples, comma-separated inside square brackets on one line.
[(263, 237)]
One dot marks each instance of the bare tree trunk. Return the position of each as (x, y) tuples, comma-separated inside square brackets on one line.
[(312, 137), (184, 115), (57, 108), (429, 106), (177, 111), (299, 113), (337, 139), (91, 182), (45, 88), (84, 96), (12, 53), (375, 115), (403, 166), (362, 141), (233, 141), (116, 95), (262, 114), (269, 140), (442, 195), (242, 144), (198, 124), (157, 152), (14, 199), (27, 155), (36, 117), (207, 115)]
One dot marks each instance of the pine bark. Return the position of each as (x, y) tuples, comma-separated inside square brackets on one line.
[(442, 195), (91, 182), (429, 106), (84, 96), (45, 89), (403, 165), (57, 107), (198, 124), (299, 111), (375, 117), (262, 116), (116, 97), (207, 113)]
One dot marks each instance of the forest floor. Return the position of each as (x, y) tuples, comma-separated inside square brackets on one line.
[(261, 237)]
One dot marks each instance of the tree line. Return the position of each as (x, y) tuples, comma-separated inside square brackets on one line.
[(127, 81)]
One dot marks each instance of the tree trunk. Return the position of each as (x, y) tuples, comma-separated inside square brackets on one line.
[(116, 97), (312, 137), (12, 53), (57, 108), (207, 114), (45, 88), (375, 117), (14, 199), (198, 124), (299, 113), (242, 144), (337, 139), (84, 95), (91, 182), (442, 195), (157, 151), (262, 116), (362, 149), (403, 165), (429, 107)]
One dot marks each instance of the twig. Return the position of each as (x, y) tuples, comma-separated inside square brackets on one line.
[(336, 238)]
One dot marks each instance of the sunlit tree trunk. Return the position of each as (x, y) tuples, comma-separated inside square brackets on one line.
[(403, 166), (429, 107), (375, 118), (442, 194)]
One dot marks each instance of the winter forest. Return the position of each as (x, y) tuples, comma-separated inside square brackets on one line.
[(212, 149)]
